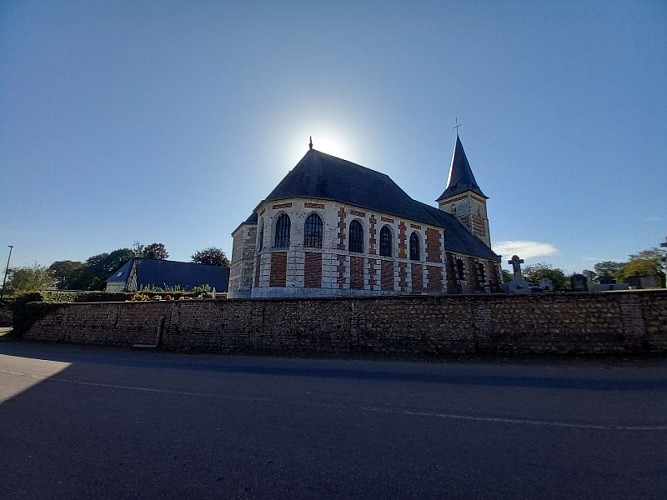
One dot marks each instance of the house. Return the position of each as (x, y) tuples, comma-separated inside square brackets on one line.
[(335, 228), (139, 272)]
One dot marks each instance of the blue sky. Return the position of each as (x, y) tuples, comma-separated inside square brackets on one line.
[(169, 121)]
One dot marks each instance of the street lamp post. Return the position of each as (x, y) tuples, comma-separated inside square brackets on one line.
[(4, 281)]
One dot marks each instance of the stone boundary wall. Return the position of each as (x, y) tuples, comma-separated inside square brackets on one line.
[(634, 321)]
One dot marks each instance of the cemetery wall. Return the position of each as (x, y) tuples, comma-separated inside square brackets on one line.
[(634, 321)]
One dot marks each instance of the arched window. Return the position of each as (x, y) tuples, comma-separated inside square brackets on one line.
[(415, 253), (356, 237), (260, 242), (385, 242), (312, 232), (282, 231)]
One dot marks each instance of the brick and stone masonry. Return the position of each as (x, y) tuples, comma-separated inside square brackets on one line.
[(634, 321)]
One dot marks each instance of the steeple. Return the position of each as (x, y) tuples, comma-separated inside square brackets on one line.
[(463, 197), (461, 178)]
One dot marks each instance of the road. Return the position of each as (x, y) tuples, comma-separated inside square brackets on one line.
[(82, 422)]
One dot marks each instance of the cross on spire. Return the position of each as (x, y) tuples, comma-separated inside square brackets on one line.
[(457, 126)]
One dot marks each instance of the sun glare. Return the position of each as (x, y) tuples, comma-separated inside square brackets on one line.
[(324, 142), (329, 145)]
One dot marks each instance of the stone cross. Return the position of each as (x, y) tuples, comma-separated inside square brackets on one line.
[(516, 266)]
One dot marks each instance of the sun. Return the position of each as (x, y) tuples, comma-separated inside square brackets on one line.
[(323, 141), (329, 145)]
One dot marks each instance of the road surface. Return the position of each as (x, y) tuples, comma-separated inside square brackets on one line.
[(82, 422)]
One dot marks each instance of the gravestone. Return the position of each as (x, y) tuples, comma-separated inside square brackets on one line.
[(579, 283), (546, 284), (518, 284), (606, 280), (607, 284)]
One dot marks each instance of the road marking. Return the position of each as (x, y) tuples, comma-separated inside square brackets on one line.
[(374, 409), (505, 420)]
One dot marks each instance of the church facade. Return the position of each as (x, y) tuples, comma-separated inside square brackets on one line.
[(333, 228)]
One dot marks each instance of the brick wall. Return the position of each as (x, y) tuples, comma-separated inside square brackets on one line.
[(312, 276), (417, 278), (357, 273), (387, 275), (278, 269), (633, 321)]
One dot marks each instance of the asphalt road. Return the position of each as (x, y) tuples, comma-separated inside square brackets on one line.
[(79, 422)]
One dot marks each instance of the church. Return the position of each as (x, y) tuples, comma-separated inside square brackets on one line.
[(332, 228)]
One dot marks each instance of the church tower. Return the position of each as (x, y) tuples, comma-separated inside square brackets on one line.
[(463, 198)]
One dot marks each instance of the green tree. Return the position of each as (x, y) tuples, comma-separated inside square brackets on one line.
[(608, 268), (153, 251), (590, 275), (30, 279), (645, 263), (507, 276), (65, 271), (212, 256), (98, 268), (533, 274)]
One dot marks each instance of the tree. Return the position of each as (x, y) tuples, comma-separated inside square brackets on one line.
[(645, 263), (64, 271), (212, 256), (98, 268), (153, 251), (608, 268), (30, 279), (590, 275), (533, 274), (507, 276)]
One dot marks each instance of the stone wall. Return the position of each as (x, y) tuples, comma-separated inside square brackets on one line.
[(634, 321)]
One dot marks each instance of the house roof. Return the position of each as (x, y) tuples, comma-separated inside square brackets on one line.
[(461, 178), (322, 176), (169, 273)]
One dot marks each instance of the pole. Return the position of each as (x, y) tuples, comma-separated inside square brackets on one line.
[(4, 281)]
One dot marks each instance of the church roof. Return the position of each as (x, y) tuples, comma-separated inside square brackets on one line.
[(322, 176), (461, 178), (319, 175), (457, 238)]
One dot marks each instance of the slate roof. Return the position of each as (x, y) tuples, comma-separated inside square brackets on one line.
[(169, 273), (461, 178), (457, 238), (322, 176)]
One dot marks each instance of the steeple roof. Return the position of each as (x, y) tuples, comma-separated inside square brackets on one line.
[(461, 178)]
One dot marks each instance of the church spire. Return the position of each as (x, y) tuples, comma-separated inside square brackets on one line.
[(463, 198), (461, 178)]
